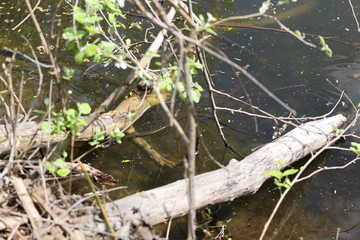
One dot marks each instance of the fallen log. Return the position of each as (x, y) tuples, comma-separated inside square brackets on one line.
[(238, 178), (29, 135)]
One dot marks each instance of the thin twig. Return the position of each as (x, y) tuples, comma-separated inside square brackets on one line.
[(354, 15), (31, 12), (265, 6), (213, 103), (55, 69), (327, 168), (98, 201), (27, 204)]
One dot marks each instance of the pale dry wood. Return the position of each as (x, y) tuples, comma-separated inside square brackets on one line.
[(27, 204), (8, 221), (74, 234), (239, 178)]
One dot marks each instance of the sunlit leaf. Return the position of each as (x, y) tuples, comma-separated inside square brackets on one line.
[(322, 41), (328, 52), (84, 108), (45, 126), (355, 147), (39, 111), (50, 167), (209, 30), (60, 162), (290, 172), (80, 15), (63, 172), (71, 113), (108, 48), (274, 173), (280, 163), (79, 57), (90, 50)]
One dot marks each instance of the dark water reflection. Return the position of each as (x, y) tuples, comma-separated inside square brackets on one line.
[(302, 77), (295, 73)]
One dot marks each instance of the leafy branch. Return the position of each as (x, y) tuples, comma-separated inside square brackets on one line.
[(281, 179)]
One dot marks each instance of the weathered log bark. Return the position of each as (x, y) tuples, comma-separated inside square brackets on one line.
[(29, 134), (237, 179)]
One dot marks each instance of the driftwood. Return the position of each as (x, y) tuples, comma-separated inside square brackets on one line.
[(29, 135), (238, 178), (132, 215)]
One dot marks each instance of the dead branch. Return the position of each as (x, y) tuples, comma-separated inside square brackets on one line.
[(238, 178)]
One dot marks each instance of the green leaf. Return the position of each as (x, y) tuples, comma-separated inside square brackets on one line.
[(46, 127), (298, 33), (209, 30), (274, 173), (180, 87), (282, 184), (198, 86), (201, 17), (46, 101), (70, 35), (92, 20), (80, 15), (108, 48), (280, 162), (322, 41), (94, 142), (128, 42), (195, 95), (81, 122), (84, 108), (39, 111), (72, 46), (79, 56), (290, 172), (210, 17), (198, 65), (112, 18), (92, 30), (355, 147), (60, 162), (287, 183), (68, 73), (97, 58), (63, 172), (117, 134), (71, 113), (328, 51), (90, 50), (50, 167)]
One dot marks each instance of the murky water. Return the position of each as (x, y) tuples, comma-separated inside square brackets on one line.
[(300, 76), (297, 74)]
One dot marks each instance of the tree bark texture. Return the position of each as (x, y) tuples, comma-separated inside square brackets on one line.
[(238, 178)]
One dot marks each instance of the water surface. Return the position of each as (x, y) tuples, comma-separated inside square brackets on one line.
[(301, 76)]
